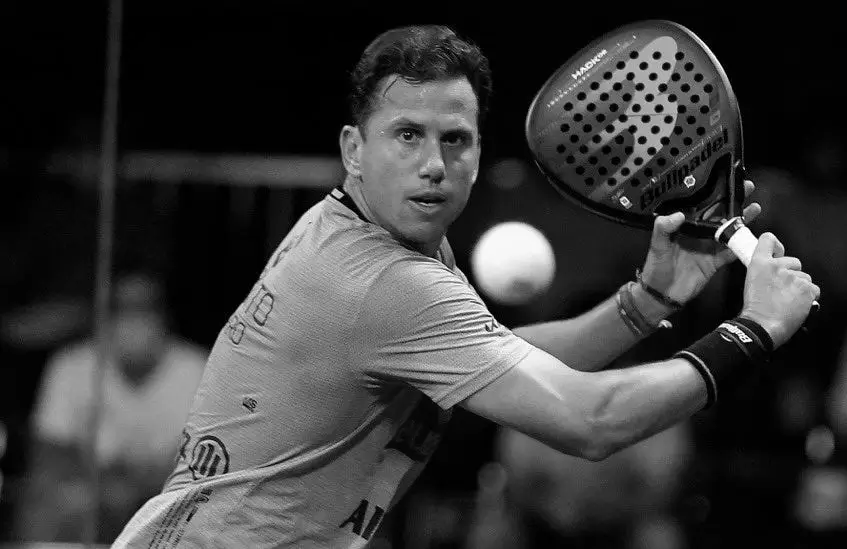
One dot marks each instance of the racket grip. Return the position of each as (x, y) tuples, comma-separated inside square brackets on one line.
[(738, 238), (741, 240)]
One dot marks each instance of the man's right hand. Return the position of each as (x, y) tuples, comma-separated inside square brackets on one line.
[(778, 295)]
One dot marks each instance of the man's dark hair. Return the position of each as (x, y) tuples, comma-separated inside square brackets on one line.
[(417, 54)]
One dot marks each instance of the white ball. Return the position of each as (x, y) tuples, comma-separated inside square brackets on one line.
[(513, 262)]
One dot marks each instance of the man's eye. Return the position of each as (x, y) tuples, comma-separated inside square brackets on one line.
[(408, 135), (454, 139)]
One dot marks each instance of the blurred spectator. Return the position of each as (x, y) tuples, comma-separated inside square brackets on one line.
[(148, 387)]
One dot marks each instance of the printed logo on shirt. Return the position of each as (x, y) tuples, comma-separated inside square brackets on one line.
[(491, 325), (358, 516), (208, 458), (175, 522), (186, 438), (236, 329), (249, 403), (420, 434)]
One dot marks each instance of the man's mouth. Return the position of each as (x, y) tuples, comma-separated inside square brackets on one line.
[(429, 199)]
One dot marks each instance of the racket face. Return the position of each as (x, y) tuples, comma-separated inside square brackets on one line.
[(639, 123)]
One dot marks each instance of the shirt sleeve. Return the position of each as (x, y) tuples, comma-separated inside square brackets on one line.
[(422, 324)]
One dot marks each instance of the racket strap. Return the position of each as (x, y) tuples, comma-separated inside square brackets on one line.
[(729, 353)]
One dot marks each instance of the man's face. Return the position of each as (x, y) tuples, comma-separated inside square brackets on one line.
[(139, 329), (419, 157)]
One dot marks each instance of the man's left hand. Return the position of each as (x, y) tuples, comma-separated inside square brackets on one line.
[(678, 266)]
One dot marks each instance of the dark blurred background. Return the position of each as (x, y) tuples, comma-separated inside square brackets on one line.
[(228, 129)]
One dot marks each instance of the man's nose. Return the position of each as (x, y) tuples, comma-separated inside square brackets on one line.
[(432, 166)]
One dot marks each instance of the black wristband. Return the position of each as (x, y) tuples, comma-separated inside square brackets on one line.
[(749, 340), (729, 352), (763, 336)]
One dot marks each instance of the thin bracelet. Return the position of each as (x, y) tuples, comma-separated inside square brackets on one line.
[(632, 317), (625, 316), (667, 301)]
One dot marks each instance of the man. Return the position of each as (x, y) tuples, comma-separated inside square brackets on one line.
[(148, 385), (329, 387)]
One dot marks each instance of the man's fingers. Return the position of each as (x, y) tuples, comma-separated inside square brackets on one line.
[(749, 187), (790, 263), (813, 288), (669, 224), (751, 212), (803, 275), (664, 226), (769, 246)]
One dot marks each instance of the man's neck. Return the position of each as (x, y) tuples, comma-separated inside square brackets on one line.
[(355, 193)]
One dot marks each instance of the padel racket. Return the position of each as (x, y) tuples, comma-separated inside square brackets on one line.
[(643, 122)]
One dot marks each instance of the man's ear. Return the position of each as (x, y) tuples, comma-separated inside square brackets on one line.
[(351, 142)]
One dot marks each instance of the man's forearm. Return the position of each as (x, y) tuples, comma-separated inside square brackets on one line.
[(592, 340), (647, 399)]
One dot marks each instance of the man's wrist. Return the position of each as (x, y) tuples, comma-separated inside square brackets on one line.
[(769, 326), (653, 310), (730, 352), (640, 325)]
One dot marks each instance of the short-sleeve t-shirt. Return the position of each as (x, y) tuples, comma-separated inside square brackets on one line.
[(326, 392)]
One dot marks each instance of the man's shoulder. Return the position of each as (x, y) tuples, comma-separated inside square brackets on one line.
[(69, 374), (340, 260), (361, 253), (75, 358)]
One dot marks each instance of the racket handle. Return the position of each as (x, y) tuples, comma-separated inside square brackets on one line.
[(741, 240), (738, 238)]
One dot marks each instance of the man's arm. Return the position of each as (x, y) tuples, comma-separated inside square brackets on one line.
[(594, 339), (594, 414), (591, 415)]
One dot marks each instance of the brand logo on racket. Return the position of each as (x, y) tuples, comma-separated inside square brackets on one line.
[(589, 64), (679, 176)]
